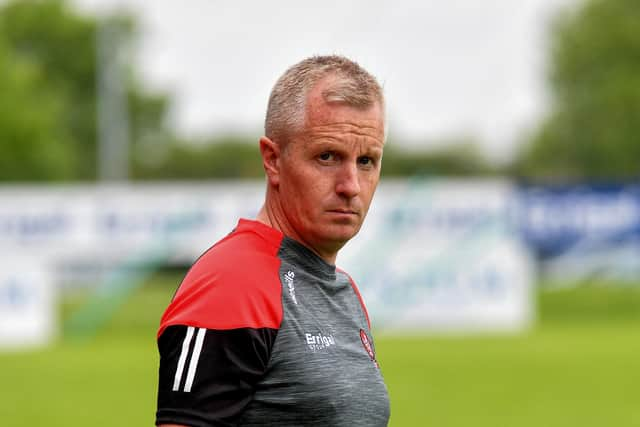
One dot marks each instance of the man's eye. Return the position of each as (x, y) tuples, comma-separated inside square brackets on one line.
[(326, 156), (365, 161)]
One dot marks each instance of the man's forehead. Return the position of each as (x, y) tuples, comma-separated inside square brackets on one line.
[(344, 122), (319, 112), (356, 129)]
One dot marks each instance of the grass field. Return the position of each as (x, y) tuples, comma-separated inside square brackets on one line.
[(579, 366)]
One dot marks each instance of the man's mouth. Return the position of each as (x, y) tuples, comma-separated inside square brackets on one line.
[(343, 211)]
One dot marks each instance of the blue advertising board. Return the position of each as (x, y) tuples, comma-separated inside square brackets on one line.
[(580, 231)]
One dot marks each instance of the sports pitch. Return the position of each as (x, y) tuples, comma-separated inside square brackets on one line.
[(579, 366)]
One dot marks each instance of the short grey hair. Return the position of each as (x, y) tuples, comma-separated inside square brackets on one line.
[(351, 85)]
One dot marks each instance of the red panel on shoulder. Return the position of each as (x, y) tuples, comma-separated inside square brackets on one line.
[(235, 284)]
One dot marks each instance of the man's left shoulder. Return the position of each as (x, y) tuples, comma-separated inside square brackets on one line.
[(233, 285)]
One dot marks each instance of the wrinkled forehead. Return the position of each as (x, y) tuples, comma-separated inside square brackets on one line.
[(338, 126), (323, 117)]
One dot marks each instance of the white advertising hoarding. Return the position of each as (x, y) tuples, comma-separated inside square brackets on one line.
[(432, 255), (27, 303), (442, 255)]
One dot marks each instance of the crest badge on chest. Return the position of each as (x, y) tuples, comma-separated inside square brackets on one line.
[(366, 343)]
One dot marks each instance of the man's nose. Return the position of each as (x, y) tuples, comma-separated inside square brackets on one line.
[(348, 183)]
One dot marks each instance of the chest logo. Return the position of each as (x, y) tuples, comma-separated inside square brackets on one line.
[(288, 280), (366, 343), (319, 342)]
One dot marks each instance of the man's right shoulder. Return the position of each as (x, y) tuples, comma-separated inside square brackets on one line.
[(234, 284)]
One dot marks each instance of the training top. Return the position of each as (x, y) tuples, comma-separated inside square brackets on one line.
[(263, 332)]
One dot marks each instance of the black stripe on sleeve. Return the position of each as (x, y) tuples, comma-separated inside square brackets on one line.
[(216, 379)]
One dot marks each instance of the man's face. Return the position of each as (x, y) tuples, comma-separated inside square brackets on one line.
[(329, 172)]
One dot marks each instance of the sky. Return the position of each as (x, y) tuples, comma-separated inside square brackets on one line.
[(450, 70)]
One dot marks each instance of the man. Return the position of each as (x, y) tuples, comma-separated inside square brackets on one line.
[(264, 330)]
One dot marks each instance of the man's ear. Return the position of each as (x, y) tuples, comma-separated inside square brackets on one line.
[(270, 152)]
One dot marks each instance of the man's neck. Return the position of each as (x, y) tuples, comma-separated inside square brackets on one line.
[(266, 216)]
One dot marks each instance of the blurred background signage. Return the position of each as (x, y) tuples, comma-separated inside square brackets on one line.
[(28, 307), (435, 255), (582, 231)]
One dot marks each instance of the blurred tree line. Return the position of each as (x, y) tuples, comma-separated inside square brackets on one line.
[(48, 109), (593, 129), (48, 93), (234, 156), (48, 106)]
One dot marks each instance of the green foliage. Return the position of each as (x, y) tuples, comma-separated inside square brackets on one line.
[(60, 44), (57, 46), (222, 158), (456, 158), (593, 130), (33, 143)]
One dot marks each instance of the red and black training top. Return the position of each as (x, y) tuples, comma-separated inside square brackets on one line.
[(264, 332)]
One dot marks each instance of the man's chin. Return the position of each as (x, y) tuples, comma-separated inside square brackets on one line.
[(332, 235), (342, 233)]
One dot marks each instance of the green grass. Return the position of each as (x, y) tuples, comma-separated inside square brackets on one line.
[(579, 366)]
